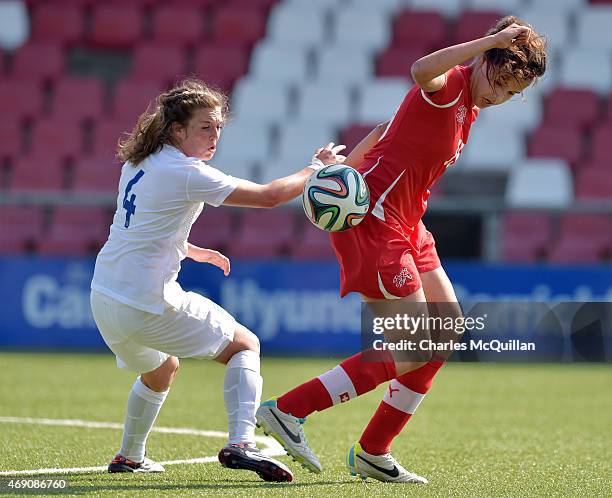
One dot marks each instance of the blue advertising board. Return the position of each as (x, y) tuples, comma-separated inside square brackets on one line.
[(293, 307)]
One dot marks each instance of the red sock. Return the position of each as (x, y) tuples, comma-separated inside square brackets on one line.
[(400, 402), (353, 377)]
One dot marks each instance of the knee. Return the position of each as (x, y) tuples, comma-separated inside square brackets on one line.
[(161, 378), (248, 340)]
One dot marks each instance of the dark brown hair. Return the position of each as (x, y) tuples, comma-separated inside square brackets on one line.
[(177, 105), (524, 62)]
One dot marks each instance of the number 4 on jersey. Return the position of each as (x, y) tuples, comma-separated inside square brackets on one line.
[(130, 206)]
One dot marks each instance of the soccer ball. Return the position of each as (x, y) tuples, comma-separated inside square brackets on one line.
[(336, 198)]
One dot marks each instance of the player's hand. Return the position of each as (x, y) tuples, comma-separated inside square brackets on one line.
[(327, 155), (209, 256), (511, 36)]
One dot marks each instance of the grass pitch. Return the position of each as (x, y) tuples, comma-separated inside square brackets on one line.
[(484, 430)]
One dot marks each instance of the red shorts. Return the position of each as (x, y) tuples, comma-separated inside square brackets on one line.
[(383, 262)]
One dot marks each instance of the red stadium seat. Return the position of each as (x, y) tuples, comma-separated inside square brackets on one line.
[(352, 135), (96, 174), (562, 141), (572, 106), (594, 183), (57, 23), (132, 98), (38, 61), (176, 24), (20, 99), (583, 238), (237, 24), (601, 143), (158, 62), (213, 230), (526, 236), (78, 98), (76, 230), (38, 172), (473, 24), (115, 26), (264, 234), (59, 136), (11, 138), (574, 251), (398, 60), (20, 228), (423, 28), (107, 134), (262, 4), (314, 244), (221, 65)]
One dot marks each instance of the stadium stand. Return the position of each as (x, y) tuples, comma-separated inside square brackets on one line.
[(294, 89)]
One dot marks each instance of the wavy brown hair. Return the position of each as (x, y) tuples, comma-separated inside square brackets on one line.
[(525, 62), (177, 105)]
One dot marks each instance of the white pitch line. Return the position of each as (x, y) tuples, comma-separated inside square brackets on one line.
[(272, 448)]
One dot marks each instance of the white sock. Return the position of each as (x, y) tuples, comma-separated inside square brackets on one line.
[(142, 409), (242, 393)]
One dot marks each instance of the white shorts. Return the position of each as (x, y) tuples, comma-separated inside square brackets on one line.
[(142, 341)]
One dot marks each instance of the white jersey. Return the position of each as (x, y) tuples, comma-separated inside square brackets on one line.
[(157, 204)]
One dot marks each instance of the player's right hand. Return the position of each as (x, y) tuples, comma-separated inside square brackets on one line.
[(511, 36), (329, 154)]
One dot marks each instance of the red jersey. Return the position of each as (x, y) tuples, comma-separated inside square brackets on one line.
[(424, 138)]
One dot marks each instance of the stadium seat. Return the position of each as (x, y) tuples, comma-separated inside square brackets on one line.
[(234, 24), (574, 106), (38, 61), (520, 113), (26, 103), (540, 184), (11, 138), (353, 134), (14, 24), (601, 143), (386, 6), (313, 245), (108, 132), (567, 6), (298, 141), (473, 24), (132, 99), (221, 65), (379, 99), (593, 27), (585, 238), (77, 98), (57, 23), (178, 24), (43, 171), (58, 136), (164, 63), (425, 29), (587, 68), (253, 99), (327, 101), (526, 236), (214, 229), (96, 174), (287, 22), (396, 61), (265, 63), (20, 228), (561, 141), (493, 148), (450, 8), (506, 7), (552, 24), (264, 234), (371, 22), (594, 183), (75, 230), (346, 64), (115, 26)]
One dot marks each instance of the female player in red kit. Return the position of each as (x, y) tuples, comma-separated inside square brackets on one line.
[(391, 255)]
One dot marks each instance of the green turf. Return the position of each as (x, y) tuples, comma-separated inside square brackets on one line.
[(485, 430)]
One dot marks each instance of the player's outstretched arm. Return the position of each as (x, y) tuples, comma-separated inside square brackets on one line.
[(282, 190), (355, 158), (428, 72), (203, 255)]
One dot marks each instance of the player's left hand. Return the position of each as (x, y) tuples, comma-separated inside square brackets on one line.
[(329, 154), (212, 257)]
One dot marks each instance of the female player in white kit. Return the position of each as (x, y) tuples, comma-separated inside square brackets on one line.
[(142, 313)]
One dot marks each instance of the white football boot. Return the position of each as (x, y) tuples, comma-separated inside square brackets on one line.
[(384, 468), (287, 430), (122, 464)]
